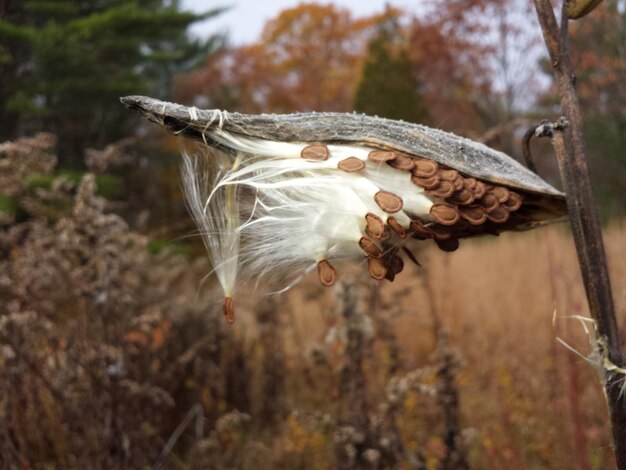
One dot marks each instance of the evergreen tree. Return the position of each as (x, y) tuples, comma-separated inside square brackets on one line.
[(64, 63), (387, 87)]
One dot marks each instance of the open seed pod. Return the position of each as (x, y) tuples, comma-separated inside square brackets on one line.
[(282, 195)]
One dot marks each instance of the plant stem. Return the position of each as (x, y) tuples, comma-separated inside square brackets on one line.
[(570, 149)]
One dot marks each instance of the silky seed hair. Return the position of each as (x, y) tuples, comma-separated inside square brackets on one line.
[(278, 210)]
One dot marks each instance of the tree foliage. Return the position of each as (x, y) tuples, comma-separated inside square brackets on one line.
[(387, 87), (64, 63)]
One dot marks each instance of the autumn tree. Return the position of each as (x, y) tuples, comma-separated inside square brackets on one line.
[(387, 87), (308, 58)]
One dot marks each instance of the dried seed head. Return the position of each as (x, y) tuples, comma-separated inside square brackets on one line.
[(315, 152), (229, 310), (402, 163), (445, 214), (475, 215), (449, 245), (351, 164), (380, 156), (370, 247), (388, 202), (396, 227), (426, 182), (443, 190), (326, 273), (376, 268), (425, 168), (375, 226)]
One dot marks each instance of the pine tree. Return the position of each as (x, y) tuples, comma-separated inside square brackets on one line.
[(64, 63), (387, 87)]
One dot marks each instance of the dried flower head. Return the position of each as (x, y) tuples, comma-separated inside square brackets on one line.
[(280, 196)]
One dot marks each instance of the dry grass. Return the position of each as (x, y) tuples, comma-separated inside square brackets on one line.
[(106, 347)]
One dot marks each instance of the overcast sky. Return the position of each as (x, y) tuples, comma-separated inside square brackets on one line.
[(245, 20)]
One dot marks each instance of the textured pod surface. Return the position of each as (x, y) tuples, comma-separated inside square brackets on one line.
[(458, 153)]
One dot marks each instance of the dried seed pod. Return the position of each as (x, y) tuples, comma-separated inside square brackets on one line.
[(380, 156), (396, 227), (501, 193), (489, 202), (370, 247), (425, 168), (402, 163), (430, 182), (351, 164), (463, 197), (388, 202), (449, 245), (421, 231), (326, 273), (440, 232), (375, 226), (443, 190), (448, 174), (499, 215), (514, 202), (475, 215), (229, 310), (376, 268), (445, 214), (318, 152)]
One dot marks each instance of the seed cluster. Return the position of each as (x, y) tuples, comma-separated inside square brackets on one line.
[(462, 206)]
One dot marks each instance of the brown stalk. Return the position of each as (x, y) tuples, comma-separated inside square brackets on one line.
[(569, 147)]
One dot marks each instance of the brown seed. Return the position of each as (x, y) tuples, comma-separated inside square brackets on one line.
[(388, 202), (396, 227), (395, 264), (229, 310), (489, 202), (326, 273), (448, 174), (501, 193), (376, 268), (445, 214), (351, 164), (479, 190), (375, 226), (315, 152), (443, 190), (380, 156), (514, 202), (499, 215), (440, 232), (459, 184), (425, 168), (401, 163), (409, 254), (370, 247), (475, 215), (463, 197), (470, 183), (448, 245), (430, 182), (421, 231)]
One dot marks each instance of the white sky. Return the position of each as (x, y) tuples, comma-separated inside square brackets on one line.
[(244, 21)]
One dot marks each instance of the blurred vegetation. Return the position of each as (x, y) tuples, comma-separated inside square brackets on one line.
[(112, 354)]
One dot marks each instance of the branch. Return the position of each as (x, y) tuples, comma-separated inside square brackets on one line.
[(583, 215)]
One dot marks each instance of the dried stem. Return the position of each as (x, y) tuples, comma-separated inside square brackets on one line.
[(570, 149)]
